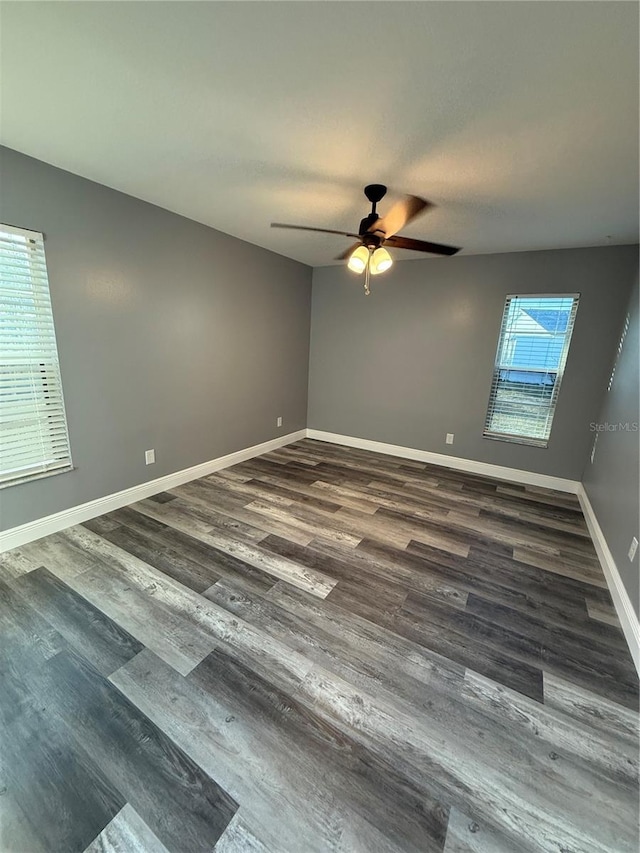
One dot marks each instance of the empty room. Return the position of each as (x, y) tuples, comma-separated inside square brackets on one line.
[(319, 412)]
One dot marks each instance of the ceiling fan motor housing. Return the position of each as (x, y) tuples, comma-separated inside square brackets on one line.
[(366, 223)]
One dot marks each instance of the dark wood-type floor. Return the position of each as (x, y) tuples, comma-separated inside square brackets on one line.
[(321, 649)]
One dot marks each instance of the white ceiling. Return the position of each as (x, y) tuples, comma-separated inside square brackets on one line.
[(519, 120)]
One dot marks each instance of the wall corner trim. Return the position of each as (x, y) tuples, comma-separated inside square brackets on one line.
[(500, 472), (624, 608), (16, 536)]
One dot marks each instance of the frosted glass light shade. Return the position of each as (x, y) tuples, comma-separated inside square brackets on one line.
[(381, 261), (359, 259)]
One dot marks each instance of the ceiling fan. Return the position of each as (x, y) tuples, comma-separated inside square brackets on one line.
[(368, 255)]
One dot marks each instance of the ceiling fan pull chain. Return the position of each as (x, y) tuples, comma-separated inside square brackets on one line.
[(367, 289)]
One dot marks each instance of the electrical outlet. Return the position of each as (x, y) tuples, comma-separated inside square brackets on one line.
[(278, 422), (593, 449), (633, 548), (149, 457), (449, 438)]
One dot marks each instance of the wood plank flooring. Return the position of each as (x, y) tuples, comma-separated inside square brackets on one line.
[(320, 650)]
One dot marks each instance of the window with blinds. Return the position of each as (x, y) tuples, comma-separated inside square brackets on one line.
[(33, 427), (532, 352)]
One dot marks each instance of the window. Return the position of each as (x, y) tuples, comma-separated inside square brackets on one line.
[(34, 440), (532, 352)]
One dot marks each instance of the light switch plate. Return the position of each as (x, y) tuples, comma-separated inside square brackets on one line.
[(633, 548)]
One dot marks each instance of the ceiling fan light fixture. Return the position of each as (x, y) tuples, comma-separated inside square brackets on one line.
[(359, 259), (380, 261), (369, 256)]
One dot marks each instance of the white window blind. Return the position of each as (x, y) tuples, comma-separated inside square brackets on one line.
[(532, 352), (33, 427)]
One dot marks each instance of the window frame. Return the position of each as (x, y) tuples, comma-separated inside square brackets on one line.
[(57, 435), (516, 438)]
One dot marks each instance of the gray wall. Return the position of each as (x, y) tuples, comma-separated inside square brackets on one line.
[(414, 360), (171, 335), (612, 481)]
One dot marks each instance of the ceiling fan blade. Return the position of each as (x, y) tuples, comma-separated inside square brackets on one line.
[(420, 246), (307, 228), (344, 255), (400, 214)]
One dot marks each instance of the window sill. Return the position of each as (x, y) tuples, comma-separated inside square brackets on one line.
[(517, 439), (27, 478)]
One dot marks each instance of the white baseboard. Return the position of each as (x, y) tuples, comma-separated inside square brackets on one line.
[(621, 601), (500, 472), (16, 536)]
